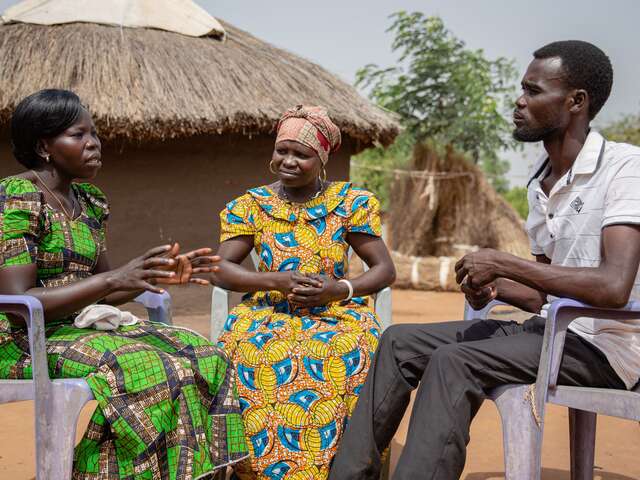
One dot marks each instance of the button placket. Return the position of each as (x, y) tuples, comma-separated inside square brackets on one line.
[(550, 207)]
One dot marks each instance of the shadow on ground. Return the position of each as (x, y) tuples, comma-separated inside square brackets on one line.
[(549, 474)]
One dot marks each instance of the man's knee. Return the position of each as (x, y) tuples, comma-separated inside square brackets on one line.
[(449, 357), (396, 337)]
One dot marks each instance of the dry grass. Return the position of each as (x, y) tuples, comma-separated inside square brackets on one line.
[(443, 215), (145, 84)]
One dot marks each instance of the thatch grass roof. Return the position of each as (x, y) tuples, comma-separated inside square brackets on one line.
[(145, 84)]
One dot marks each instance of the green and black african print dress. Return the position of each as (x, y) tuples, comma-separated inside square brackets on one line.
[(167, 401)]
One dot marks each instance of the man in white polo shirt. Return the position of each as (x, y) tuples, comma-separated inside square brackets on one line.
[(584, 228)]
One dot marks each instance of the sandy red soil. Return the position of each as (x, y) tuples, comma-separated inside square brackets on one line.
[(618, 441)]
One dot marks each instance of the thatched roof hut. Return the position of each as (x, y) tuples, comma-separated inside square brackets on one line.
[(201, 108), (143, 83)]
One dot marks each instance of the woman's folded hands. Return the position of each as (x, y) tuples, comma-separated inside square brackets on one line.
[(311, 290), (303, 289)]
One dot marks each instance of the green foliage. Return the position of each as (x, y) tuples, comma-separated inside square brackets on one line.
[(517, 197), (370, 169), (626, 129), (495, 170), (444, 91)]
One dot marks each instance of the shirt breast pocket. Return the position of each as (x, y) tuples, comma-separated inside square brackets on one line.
[(579, 234)]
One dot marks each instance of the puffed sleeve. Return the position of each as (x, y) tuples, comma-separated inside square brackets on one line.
[(97, 210), (238, 218), (363, 213), (20, 223)]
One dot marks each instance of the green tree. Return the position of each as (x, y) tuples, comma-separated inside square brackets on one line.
[(371, 168), (445, 92), (496, 169), (626, 129), (517, 197)]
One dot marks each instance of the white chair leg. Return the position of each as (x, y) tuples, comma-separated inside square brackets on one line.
[(55, 443), (522, 437), (582, 438)]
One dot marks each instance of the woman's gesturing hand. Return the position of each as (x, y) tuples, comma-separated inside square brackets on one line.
[(317, 290), (139, 273), (188, 264)]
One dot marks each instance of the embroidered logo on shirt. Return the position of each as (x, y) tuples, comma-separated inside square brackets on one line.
[(577, 204)]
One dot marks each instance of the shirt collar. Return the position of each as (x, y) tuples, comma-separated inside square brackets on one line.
[(585, 163), (589, 157)]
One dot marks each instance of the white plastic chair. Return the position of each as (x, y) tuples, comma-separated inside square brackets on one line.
[(522, 435), (220, 303), (57, 402)]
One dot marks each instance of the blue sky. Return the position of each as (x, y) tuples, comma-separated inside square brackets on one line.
[(345, 35)]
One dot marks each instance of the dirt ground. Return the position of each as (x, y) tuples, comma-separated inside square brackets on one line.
[(618, 441)]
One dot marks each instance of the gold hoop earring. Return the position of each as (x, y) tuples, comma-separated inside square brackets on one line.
[(271, 168), (323, 175)]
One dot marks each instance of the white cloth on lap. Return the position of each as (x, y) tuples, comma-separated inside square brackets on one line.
[(104, 317)]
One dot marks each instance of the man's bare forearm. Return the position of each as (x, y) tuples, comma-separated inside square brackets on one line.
[(601, 286), (520, 296)]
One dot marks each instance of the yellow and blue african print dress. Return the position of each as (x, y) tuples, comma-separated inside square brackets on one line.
[(299, 370), (167, 405)]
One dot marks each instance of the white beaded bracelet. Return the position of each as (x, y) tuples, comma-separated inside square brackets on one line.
[(349, 286)]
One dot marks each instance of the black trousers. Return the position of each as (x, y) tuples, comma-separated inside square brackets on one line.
[(451, 364)]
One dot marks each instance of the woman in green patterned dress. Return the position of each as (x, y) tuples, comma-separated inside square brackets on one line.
[(167, 402)]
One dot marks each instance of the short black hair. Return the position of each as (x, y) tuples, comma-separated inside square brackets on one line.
[(43, 114), (587, 67)]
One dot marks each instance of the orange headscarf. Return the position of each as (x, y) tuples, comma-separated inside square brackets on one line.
[(312, 127)]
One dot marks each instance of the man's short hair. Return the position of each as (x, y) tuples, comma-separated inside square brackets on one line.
[(587, 67)]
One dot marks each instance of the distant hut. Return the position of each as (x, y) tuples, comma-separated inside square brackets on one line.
[(454, 211), (185, 105)]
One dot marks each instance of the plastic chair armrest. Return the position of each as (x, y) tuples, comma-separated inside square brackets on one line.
[(382, 307), (219, 311), (561, 313), (471, 314), (30, 309), (158, 306)]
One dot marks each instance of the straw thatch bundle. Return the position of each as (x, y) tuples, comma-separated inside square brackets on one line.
[(451, 209), (146, 84)]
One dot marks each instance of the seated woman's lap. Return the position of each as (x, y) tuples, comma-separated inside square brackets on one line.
[(298, 380), (76, 353)]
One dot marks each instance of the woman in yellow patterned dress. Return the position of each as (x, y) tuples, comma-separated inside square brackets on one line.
[(303, 337)]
